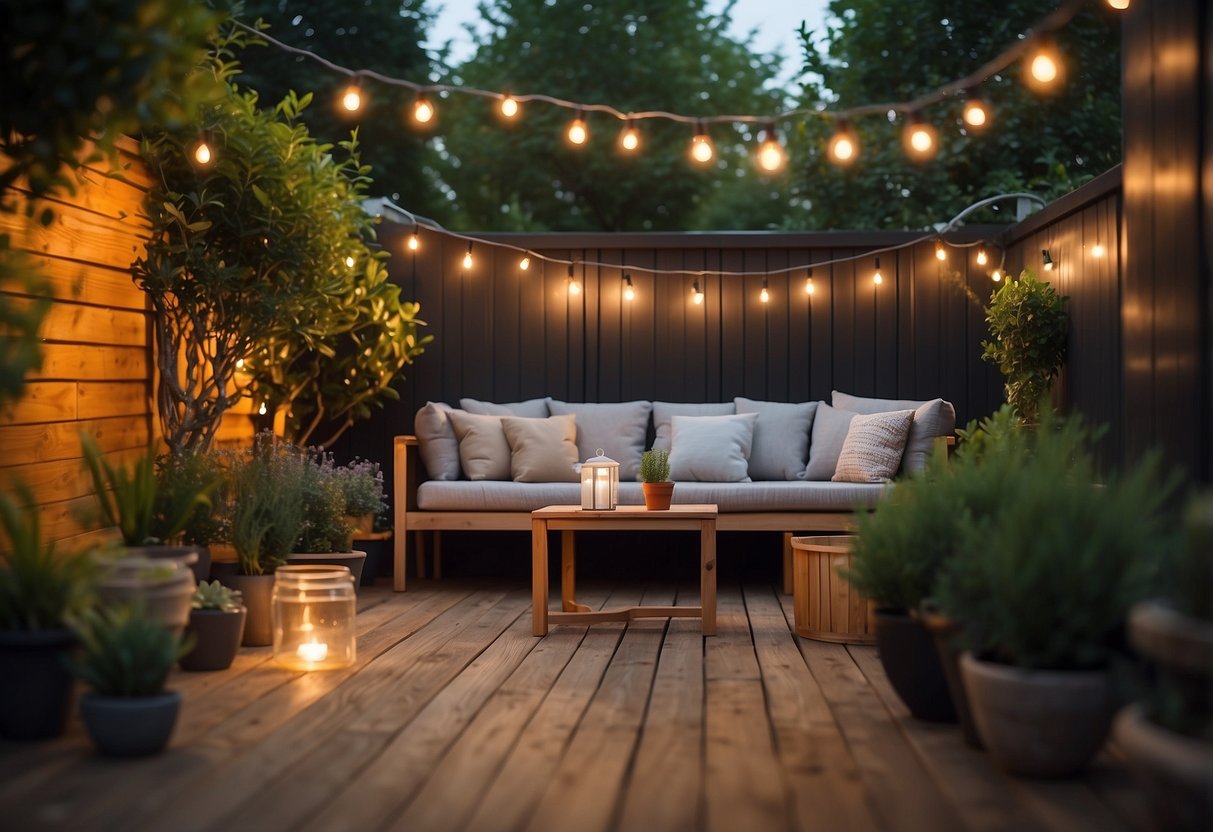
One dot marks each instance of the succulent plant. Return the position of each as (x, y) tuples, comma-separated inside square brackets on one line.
[(212, 595)]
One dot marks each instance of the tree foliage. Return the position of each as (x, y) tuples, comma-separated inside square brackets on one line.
[(879, 51), (635, 56)]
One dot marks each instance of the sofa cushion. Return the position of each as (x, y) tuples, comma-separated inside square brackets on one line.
[(531, 408), (799, 495), (542, 450), (830, 427), (873, 447), (619, 429), (664, 411), (484, 453), (436, 441), (932, 419), (711, 448), (781, 438)]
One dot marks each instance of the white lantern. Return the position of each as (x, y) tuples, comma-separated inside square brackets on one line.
[(599, 483)]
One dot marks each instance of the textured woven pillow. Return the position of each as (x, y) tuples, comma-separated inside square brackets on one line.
[(542, 450), (436, 441), (781, 438), (873, 447), (619, 429), (931, 419), (711, 448), (531, 408), (484, 452)]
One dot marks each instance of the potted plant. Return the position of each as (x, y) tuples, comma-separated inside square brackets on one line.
[(39, 592), (186, 486), (1167, 738), (362, 483), (216, 627), (332, 496), (1028, 331), (655, 479), (266, 491), (125, 658), (1042, 586)]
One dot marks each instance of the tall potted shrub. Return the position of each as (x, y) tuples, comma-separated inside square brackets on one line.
[(40, 591), (1042, 586), (1028, 330)]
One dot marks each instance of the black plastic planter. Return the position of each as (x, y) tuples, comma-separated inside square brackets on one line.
[(911, 662), (35, 685)]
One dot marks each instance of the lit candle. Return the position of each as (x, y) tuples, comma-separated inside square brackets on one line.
[(313, 651), (602, 489)]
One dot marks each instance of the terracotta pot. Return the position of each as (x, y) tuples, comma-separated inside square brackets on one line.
[(354, 561), (218, 634), (657, 495), (134, 726), (1174, 771), (256, 591), (1042, 723), (35, 685), (943, 632), (909, 658)]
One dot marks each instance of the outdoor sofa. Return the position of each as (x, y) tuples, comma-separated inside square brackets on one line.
[(768, 466)]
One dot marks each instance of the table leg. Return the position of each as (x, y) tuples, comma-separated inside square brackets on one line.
[(568, 574), (539, 577), (707, 575)]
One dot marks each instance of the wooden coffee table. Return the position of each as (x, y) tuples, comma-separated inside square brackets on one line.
[(570, 519)]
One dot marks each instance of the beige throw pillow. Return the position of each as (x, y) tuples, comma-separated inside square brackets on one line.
[(542, 450), (873, 447), (484, 453)]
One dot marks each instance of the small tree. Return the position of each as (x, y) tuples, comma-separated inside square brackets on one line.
[(1028, 329)]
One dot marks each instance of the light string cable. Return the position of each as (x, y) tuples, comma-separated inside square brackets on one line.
[(1047, 25), (418, 221)]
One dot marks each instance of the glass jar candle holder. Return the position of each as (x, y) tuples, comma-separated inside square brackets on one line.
[(313, 617)]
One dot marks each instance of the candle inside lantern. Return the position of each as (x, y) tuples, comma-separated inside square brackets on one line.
[(602, 489), (313, 651)]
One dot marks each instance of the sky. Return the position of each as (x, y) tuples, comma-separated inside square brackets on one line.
[(775, 22)]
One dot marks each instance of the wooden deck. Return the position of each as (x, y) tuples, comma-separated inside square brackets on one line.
[(456, 717)]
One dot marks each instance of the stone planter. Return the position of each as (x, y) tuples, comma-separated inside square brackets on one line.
[(218, 634), (197, 558), (256, 591), (911, 662), (134, 726), (1041, 723), (35, 685), (162, 586), (353, 561)]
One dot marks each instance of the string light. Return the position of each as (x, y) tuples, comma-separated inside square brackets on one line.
[(982, 258), (203, 155), (509, 106), (1045, 68), (629, 291), (524, 263), (1097, 250), (940, 252), (262, 410), (919, 138), (574, 286), (349, 262), (976, 113), (996, 275), (808, 283), (696, 292), (702, 149), (877, 277), (352, 98), (239, 363), (467, 258), (771, 156), (1048, 261), (423, 110), (764, 295), (578, 132), (414, 241), (629, 137), (1119, 5), (844, 144)]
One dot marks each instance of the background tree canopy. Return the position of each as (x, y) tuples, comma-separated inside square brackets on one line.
[(475, 171)]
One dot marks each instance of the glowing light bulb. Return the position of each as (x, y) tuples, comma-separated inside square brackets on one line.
[(1046, 71), (771, 156), (1119, 5), (351, 99), (1048, 261), (696, 293), (996, 275), (764, 295), (843, 146), (239, 363), (808, 283), (349, 262), (574, 286), (202, 153), (423, 110), (982, 259), (524, 264), (414, 242), (919, 138), (578, 132), (629, 138), (976, 114), (877, 277), (509, 106), (1097, 250), (261, 411), (940, 252), (467, 258), (702, 149), (629, 291), (1044, 68)]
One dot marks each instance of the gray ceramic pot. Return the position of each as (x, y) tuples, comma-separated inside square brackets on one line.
[(217, 635), (256, 591), (135, 726)]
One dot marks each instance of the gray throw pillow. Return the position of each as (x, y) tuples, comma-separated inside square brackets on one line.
[(781, 438), (484, 452), (542, 450), (873, 447), (830, 427), (711, 448), (436, 441), (531, 408), (664, 411), (932, 419), (619, 429)]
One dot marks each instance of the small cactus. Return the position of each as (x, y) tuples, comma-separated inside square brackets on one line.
[(213, 595)]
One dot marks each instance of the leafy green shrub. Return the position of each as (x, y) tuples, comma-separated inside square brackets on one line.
[(1028, 329), (215, 596), (1046, 579), (123, 653), (655, 465), (186, 483), (39, 590), (266, 496)]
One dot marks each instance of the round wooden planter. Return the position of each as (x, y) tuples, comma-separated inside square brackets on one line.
[(826, 606)]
